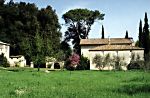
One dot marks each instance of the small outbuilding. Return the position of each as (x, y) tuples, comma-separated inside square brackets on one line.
[(18, 60)]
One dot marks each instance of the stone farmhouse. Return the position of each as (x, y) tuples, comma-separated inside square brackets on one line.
[(115, 47), (12, 60)]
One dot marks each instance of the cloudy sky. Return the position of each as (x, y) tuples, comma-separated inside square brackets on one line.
[(120, 15)]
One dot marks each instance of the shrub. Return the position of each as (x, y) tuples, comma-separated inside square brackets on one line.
[(17, 64), (3, 61), (101, 62), (136, 62), (108, 61), (119, 62), (84, 63), (75, 58), (147, 62), (72, 62), (98, 60), (67, 65), (134, 65)]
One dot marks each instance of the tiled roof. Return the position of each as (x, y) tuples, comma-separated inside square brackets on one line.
[(115, 47), (99, 41)]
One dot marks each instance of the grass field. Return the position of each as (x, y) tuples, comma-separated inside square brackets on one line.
[(29, 83)]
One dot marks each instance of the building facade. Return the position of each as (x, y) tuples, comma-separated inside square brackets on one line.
[(116, 47), (18, 61)]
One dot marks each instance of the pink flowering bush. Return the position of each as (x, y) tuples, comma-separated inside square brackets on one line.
[(74, 59), (72, 62)]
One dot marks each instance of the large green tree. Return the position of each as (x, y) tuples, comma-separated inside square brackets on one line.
[(50, 30), (38, 57), (146, 40), (140, 34), (19, 23), (79, 22), (65, 47), (103, 32), (126, 36)]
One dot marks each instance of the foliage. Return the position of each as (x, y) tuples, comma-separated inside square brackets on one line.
[(103, 32), (74, 58), (126, 36), (19, 23), (3, 61), (72, 62), (17, 64), (119, 62), (107, 60), (147, 62), (79, 22), (38, 56), (136, 62), (140, 34), (146, 36), (137, 43), (98, 60), (50, 59), (116, 62), (84, 63), (133, 65), (65, 47), (67, 65), (133, 57)]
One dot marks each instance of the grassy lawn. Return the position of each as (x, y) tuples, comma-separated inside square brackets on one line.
[(28, 83)]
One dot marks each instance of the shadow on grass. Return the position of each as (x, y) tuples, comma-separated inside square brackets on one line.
[(18, 69), (132, 89), (137, 79)]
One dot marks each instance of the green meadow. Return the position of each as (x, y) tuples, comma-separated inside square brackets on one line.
[(28, 83)]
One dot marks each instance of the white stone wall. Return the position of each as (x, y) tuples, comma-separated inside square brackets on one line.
[(102, 53), (20, 61), (52, 63), (5, 50), (124, 55), (85, 51), (140, 53)]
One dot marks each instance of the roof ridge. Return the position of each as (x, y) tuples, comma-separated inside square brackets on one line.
[(115, 47)]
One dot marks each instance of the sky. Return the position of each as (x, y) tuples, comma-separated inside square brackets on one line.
[(120, 15)]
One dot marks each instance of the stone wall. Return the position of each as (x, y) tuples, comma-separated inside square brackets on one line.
[(125, 55)]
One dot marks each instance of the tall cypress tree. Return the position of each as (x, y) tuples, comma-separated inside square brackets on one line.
[(146, 41), (140, 34), (126, 36), (103, 32)]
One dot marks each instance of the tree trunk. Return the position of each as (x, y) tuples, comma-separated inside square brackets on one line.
[(38, 67)]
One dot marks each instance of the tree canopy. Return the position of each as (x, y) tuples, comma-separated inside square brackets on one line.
[(140, 34), (79, 22), (126, 36), (103, 32), (20, 23), (146, 37)]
